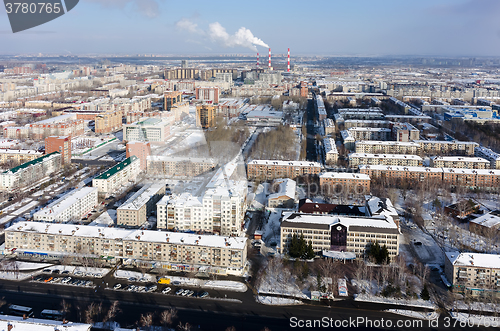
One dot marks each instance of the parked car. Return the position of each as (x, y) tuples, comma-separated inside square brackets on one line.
[(189, 293), (132, 279), (166, 290), (179, 291), (117, 286), (47, 271), (151, 288), (204, 295)]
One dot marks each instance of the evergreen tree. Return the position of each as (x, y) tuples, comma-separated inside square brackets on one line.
[(425, 293), (302, 246), (294, 246), (309, 253), (383, 255)]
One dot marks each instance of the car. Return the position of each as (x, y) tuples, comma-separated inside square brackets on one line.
[(117, 286), (130, 288), (132, 279), (80, 283), (66, 280), (417, 243), (78, 273), (189, 293), (38, 278), (141, 289), (166, 290), (74, 281), (47, 271), (151, 288), (89, 274), (184, 293), (142, 280), (65, 272), (179, 291), (203, 295), (48, 279), (176, 283)]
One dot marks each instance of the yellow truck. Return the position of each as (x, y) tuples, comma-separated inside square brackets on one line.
[(163, 280)]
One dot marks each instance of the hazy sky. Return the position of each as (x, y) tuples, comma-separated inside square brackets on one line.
[(329, 27)]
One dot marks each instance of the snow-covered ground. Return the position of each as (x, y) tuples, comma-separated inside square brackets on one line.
[(25, 208), (394, 301), (82, 271), (275, 301), (477, 306), (415, 314), (126, 274), (105, 219)]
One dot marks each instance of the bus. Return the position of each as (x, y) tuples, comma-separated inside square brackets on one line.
[(51, 314), (20, 310)]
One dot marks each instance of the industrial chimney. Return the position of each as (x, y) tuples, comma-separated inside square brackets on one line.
[(288, 67), (257, 60), (270, 59)]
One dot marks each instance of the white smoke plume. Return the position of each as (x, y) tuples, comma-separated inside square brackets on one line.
[(218, 34)]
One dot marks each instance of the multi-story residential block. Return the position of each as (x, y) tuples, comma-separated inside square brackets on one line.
[(455, 147), (489, 155), (285, 194), (405, 132), (471, 178), (71, 206), (135, 211), (218, 210), (150, 129), (473, 273), (167, 250), (64, 125), (20, 323), (30, 172), (208, 94), (329, 126), (366, 124), (182, 73), (340, 233), (348, 139), (171, 166), (370, 133), (171, 98), (61, 145), (360, 114), (487, 225), (141, 149), (119, 174), (331, 152), (18, 155), (344, 182), (387, 147), (273, 169), (462, 162), (319, 104), (108, 122), (357, 159), (205, 116)]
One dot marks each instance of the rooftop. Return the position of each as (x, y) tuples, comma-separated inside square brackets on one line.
[(32, 162), (385, 156), (64, 202), (118, 167), (286, 163), (344, 175), (32, 324), (474, 259), (141, 197)]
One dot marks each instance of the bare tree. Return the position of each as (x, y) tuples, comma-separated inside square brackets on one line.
[(112, 311), (230, 328), (147, 320), (184, 327), (65, 307), (168, 316), (91, 313)]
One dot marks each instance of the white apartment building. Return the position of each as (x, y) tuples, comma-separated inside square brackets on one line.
[(151, 129), (135, 211), (462, 162), (218, 210), (387, 147), (356, 159), (331, 152), (70, 206), (119, 174), (30, 172), (167, 250), (489, 155), (365, 133)]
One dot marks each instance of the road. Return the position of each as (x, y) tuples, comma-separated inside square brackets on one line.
[(312, 154), (209, 314)]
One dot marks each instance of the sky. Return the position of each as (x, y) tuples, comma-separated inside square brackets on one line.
[(322, 27)]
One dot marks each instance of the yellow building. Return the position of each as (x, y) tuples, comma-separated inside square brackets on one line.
[(205, 116)]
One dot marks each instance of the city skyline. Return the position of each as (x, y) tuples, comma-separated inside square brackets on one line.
[(364, 28)]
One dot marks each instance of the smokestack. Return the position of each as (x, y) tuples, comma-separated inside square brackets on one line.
[(288, 68), (257, 60), (269, 59)]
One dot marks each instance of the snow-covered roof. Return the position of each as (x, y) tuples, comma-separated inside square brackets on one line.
[(134, 235), (445, 142), (141, 197), (369, 224), (286, 188), (20, 151), (360, 128), (486, 152), (489, 220), (381, 206), (64, 202), (32, 324), (459, 158), (287, 163), (344, 175), (478, 260), (385, 156), (395, 143), (330, 147)]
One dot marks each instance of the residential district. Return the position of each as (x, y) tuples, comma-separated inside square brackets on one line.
[(181, 182)]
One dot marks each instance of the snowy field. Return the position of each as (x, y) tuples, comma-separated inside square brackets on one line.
[(275, 301), (394, 301)]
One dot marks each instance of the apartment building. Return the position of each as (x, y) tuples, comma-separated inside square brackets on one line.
[(387, 147), (367, 133), (135, 211), (319, 105), (64, 125), (272, 169), (489, 155), (61, 145), (217, 210), (19, 323), (18, 155), (173, 166), (357, 159), (329, 126), (208, 94), (348, 139), (171, 98), (284, 196), (108, 122), (141, 149), (167, 250), (473, 273), (120, 174), (360, 114), (150, 129), (404, 132), (366, 124), (340, 233), (471, 178), (30, 172), (463, 162), (205, 116), (433, 147), (331, 152), (182, 73), (344, 182), (71, 206)]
